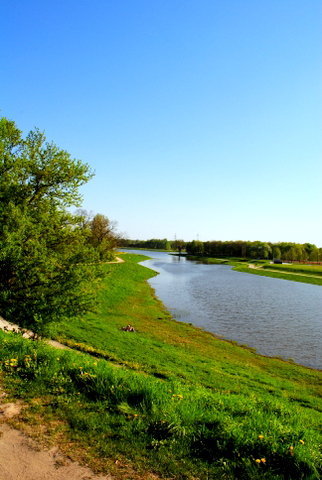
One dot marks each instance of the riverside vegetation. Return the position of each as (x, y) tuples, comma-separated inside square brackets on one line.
[(297, 273), (169, 398)]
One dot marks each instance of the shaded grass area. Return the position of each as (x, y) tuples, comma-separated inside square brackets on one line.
[(174, 400)]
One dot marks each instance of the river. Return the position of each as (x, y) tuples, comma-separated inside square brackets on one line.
[(277, 317)]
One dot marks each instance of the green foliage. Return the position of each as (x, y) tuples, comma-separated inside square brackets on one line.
[(100, 232), (277, 253), (257, 249), (152, 244), (314, 255), (44, 256), (179, 245), (195, 247)]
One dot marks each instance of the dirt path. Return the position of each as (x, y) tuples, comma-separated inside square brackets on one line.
[(117, 260), (20, 456), (7, 326), (21, 459)]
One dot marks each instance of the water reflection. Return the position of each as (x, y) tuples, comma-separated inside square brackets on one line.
[(277, 317)]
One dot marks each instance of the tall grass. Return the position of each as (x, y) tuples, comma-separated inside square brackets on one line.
[(178, 430)]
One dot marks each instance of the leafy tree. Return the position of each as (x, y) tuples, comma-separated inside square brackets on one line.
[(153, 243), (178, 245), (309, 247), (314, 254), (265, 250), (195, 247), (103, 236), (277, 253), (301, 254), (291, 254), (46, 263)]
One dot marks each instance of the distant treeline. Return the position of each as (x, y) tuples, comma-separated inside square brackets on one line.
[(263, 250), (153, 244)]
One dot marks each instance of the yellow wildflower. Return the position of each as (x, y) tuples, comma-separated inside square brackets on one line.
[(257, 460), (302, 441), (261, 437)]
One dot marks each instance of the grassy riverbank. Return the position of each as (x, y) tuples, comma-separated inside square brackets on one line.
[(296, 273), (171, 399)]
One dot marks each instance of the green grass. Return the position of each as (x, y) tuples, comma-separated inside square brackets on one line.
[(296, 273), (283, 273), (172, 399), (171, 427), (306, 269)]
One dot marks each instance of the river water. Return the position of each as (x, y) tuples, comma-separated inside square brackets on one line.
[(277, 317)]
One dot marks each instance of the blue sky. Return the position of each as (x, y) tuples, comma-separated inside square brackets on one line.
[(201, 119)]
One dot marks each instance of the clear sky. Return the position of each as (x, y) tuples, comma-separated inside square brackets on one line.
[(201, 119)]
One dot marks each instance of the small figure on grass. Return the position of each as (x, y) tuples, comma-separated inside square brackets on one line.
[(128, 328)]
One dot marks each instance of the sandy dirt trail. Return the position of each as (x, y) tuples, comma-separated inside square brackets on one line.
[(20, 456), (21, 459)]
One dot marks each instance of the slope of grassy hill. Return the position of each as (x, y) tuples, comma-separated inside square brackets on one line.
[(167, 399)]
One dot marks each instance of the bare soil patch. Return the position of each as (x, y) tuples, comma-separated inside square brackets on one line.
[(22, 459)]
